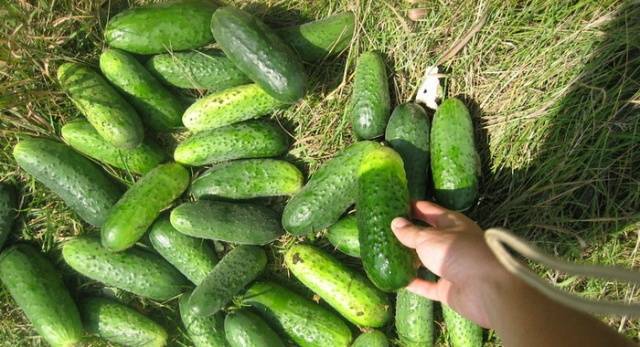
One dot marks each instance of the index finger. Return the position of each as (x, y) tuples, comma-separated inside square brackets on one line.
[(433, 214)]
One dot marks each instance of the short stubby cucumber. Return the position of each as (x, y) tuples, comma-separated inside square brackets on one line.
[(8, 211), (37, 288), (134, 270), (461, 331), (349, 293), (109, 113), (258, 52), (414, 319), (250, 139), (373, 338), (344, 236), (370, 102), (83, 186), (203, 331), (248, 179), (246, 329), (136, 210)]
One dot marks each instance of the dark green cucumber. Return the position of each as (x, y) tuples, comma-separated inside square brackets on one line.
[(245, 329), (258, 52), (80, 135), (121, 324), (203, 331), (247, 179), (461, 331), (408, 133), (344, 236), (168, 26), (37, 288), (455, 164), (236, 269), (328, 194), (195, 258), (8, 211), (414, 319), (373, 338), (109, 113), (83, 186), (136, 210), (134, 270), (349, 293), (370, 103), (158, 108), (240, 223), (382, 196), (250, 139), (229, 106)]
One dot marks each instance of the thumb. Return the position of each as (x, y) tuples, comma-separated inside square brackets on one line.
[(436, 291)]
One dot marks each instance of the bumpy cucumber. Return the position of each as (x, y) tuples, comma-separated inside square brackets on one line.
[(203, 331), (245, 329), (307, 323), (195, 258), (414, 319), (349, 293), (121, 324), (259, 53), (109, 113), (168, 26), (373, 338), (37, 288), (134, 270), (344, 236), (136, 210), (8, 211), (408, 133), (83, 186), (247, 179), (158, 108), (454, 161), (462, 332), (328, 194), (236, 269)]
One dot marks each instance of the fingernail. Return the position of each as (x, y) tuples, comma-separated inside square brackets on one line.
[(399, 223)]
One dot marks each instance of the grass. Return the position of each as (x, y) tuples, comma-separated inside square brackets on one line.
[(552, 86)]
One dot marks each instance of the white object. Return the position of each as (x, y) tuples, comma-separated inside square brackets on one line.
[(430, 90)]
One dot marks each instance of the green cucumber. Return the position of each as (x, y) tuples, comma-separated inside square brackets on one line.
[(408, 133), (136, 210), (203, 331), (250, 139), (168, 26), (245, 329), (349, 293), (382, 196), (8, 211), (135, 270), (83, 186), (305, 322), (236, 269), (194, 258), (373, 338), (328, 194), (258, 52), (454, 161), (229, 106), (121, 324), (414, 319), (248, 179), (109, 113), (370, 102), (461, 331), (80, 135), (158, 108), (37, 287), (344, 236)]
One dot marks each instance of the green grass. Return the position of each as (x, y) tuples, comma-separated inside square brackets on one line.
[(553, 87)]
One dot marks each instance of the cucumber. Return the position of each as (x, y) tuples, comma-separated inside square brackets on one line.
[(258, 52), (349, 293), (305, 322), (461, 331), (319, 39), (408, 133), (229, 106), (8, 211), (203, 331), (382, 196), (250, 139), (414, 319), (168, 26), (370, 102), (83, 186), (136, 210), (80, 135), (328, 194), (109, 113), (37, 288), (344, 236), (454, 161), (134, 270), (245, 329), (236, 269), (121, 324), (373, 338), (248, 179), (158, 108), (194, 258)]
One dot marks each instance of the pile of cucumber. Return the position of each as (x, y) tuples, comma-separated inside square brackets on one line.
[(163, 238)]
